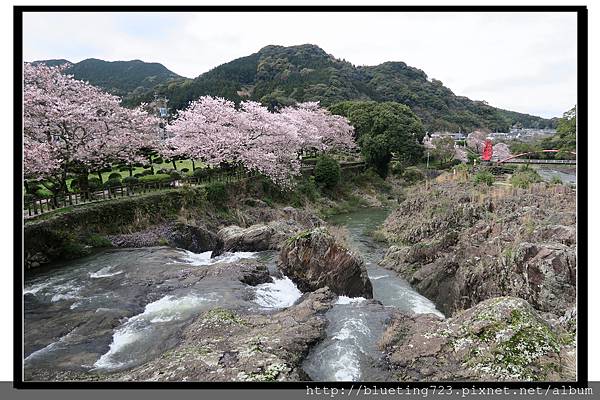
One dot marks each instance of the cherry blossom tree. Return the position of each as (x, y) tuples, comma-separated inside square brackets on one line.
[(213, 130), (77, 127), (318, 129)]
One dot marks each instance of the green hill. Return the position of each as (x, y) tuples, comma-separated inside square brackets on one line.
[(127, 79), (278, 75)]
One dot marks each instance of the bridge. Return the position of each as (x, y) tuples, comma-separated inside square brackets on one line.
[(518, 159)]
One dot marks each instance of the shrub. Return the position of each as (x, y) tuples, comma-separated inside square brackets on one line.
[(413, 174), (175, 175), (327, 172), (98, 241), (94, 183), (556, 180), (163, 171), (123, 169), (74, 185), (308, 188), (484, 177), (396, 168), (138, 175), (158, 160), (112, 183), (524, 176), (155, 178), (43, 193), (200, 173), (185, 170), (131, 180), (147, 172), (115, 175), (216, 193)]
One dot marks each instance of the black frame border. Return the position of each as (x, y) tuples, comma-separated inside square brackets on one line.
[(582, 193)]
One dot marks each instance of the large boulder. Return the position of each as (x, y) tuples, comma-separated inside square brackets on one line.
[(500, 339), (196, 239), (313, 259), (190, 237), (259, 237), (459, 245)]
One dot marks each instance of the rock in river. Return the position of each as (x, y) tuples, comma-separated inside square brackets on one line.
[(258, 237), (313, 259), (500, 339)]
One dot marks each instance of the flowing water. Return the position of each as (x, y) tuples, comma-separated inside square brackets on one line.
[(350, 352), (566, 175), (120, 308)]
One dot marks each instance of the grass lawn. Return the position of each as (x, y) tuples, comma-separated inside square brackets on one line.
[(166, 165), (181, 164)]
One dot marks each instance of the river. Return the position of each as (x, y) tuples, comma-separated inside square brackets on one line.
[(119, 308)]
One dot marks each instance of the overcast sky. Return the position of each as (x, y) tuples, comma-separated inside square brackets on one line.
[(519, 61)]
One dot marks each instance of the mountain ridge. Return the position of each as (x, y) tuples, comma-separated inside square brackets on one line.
[(282, 75)]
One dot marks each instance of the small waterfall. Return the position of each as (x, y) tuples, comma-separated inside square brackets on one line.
[(280, 293)]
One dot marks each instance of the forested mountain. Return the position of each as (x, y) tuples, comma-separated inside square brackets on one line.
[(278, 75), (127, 79)]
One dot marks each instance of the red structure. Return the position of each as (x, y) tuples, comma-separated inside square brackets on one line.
[(488, 150)]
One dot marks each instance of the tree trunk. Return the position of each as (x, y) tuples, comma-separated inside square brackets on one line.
[(130, 171), (174, 165), (193, 165), (100, 177), (151, 164), (84, 187)]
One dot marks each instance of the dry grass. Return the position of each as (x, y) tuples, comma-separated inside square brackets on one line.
[(340, 233)]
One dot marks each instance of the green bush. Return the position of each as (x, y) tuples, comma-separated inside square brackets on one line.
[(396, 168), (327, 172), (138, 175), (155, 178), (94, 183), (163, 171), (98, 241), (484, 177), (185, 170), (175, 175), (413, 174), (112, 183), (43, 193), (123, 169), (200, 173), (115, 175), (130, 180), (524, 176), (556, 180), (147, 172), (216, 193), (158, 160), (308, 188)]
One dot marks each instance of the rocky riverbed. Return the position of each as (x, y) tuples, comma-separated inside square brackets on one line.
[(467, 248), (287, 297)]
